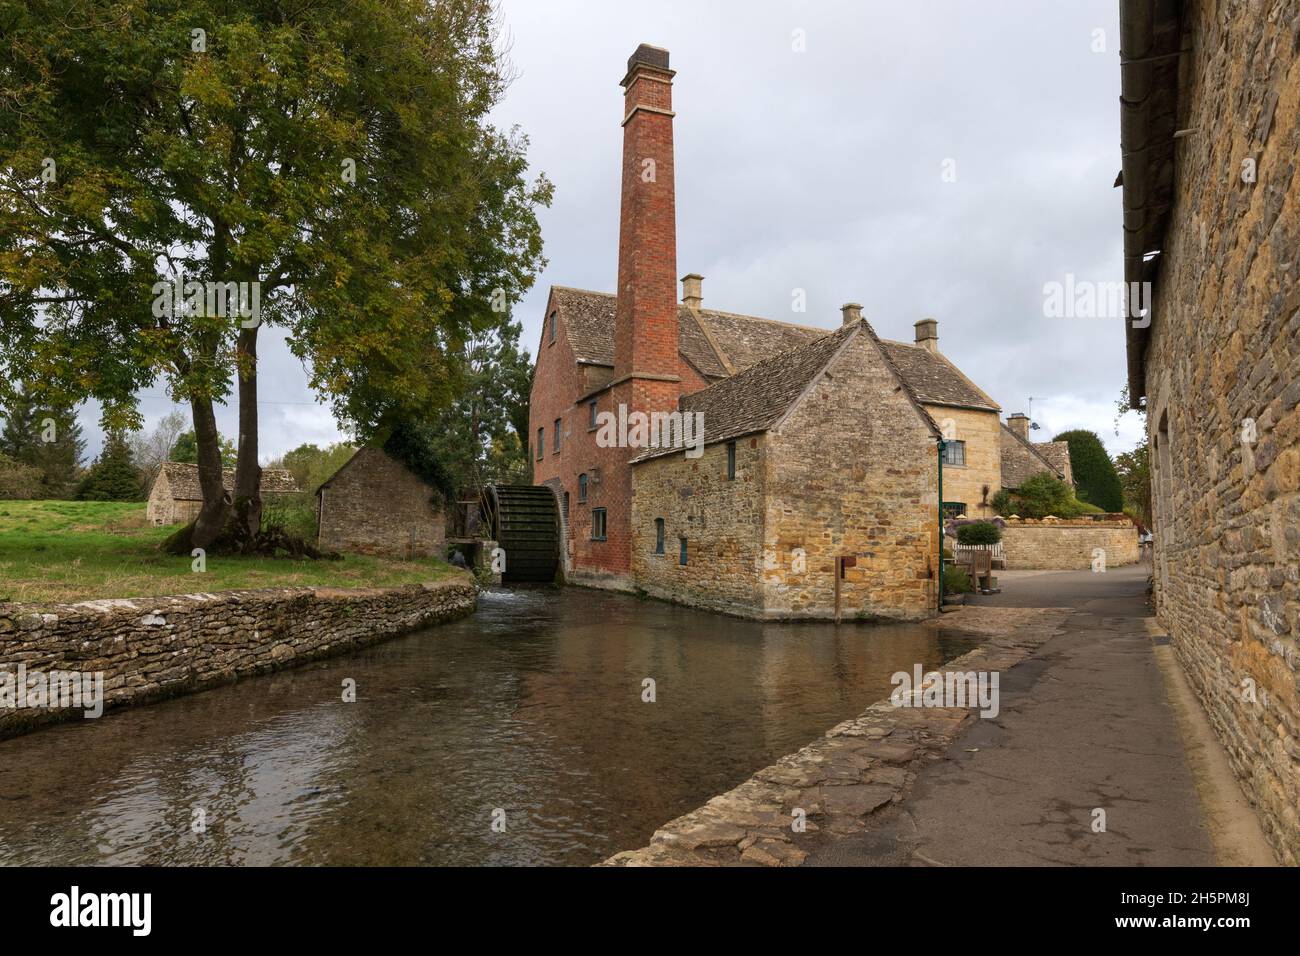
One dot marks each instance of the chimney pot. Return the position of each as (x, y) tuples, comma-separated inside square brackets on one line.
[(1019, 423), (927, 334), (852, 312), (693, 291)]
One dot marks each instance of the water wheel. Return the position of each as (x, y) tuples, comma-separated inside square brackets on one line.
[(525, 523)]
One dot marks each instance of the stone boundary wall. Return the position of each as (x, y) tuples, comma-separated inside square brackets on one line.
[(1055, 544), (858, 767), (150, 648)]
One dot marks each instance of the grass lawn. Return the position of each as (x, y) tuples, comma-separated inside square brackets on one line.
[(65, 551)]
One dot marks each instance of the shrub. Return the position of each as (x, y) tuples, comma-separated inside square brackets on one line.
[(294, 514), (18, 481), (1003, 503), (979, 533), (1095, 477), (956, 580)]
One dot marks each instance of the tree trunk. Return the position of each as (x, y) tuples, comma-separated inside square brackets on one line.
[(248, 474), (216, 509)]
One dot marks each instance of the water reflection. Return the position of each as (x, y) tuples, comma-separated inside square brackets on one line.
[(533, 705)]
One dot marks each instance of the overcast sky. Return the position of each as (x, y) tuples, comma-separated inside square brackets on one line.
[(822, 169)]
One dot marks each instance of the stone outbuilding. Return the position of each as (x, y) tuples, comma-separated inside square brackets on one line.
[(1022, 459), (374, 504), (176, 496)]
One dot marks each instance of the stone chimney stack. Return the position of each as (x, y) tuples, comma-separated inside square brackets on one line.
[(851, 312), (1019, 423), (927, 334), (645, 317), (693, 291)]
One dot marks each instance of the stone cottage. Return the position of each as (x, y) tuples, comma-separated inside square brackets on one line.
[(176, 498), (374, 504), (816, 490), (1022, 459), (642, 352), (1210, 135)]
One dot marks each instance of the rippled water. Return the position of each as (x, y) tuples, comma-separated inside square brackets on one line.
[(533, 705)]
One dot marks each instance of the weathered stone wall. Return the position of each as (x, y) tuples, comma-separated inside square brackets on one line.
[(722, 521), (1223, 383), (853, 471), (982, 433), (376, 505), (1068, 545), (149, 648)]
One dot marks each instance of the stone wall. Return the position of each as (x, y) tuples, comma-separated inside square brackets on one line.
[(721, 519), (376, 505), (150, 648), (853, 471), (1223, 383), (1068, 545), (982, 433)]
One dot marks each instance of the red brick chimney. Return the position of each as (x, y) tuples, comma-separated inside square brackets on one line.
[(645, 325)]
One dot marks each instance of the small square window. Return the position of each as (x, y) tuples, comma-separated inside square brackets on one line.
[(597, 524), (954, 453)]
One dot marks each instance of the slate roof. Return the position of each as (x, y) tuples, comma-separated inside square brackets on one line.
[(1057, 454), (1021, 460), (183, 480), (713, 339)]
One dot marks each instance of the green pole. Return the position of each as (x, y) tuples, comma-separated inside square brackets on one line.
[(942, 444)]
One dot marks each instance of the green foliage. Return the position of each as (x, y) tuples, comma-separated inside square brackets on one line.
[(186, 450), (18, 481), (341, 153), (1095, 478), (48, 440), (294, 514), (311, 465), (956, 580), (415, 445), (1134, 469), (113, 477), (979, 534), (1039, 496)]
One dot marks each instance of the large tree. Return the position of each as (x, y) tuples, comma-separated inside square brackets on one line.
[(47, 439), (334, 157), (1095, 478)]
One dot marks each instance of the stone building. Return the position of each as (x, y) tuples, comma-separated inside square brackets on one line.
[(816, 491), (1210, 138), (176, 498), (644, 352), (376, 505), (1022, 459)]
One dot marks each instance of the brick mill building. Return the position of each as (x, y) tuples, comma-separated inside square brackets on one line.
[(817, 486), (1210, 132)]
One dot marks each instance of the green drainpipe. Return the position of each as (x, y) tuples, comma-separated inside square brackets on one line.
[(942, 445)]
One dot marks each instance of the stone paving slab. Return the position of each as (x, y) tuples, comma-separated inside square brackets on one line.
[(859, 768)]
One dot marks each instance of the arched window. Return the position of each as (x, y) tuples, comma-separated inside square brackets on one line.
[(582, 487)]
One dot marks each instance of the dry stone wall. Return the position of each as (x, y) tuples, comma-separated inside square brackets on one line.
[(1068, 546), (150, 648)]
